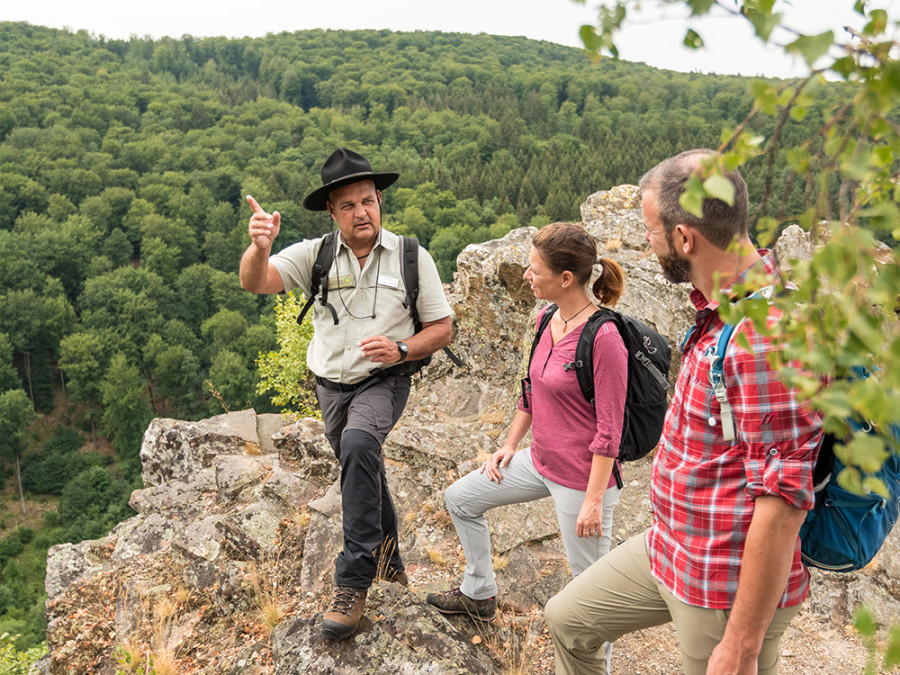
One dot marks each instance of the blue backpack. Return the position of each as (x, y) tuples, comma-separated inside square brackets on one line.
[(844, 530)]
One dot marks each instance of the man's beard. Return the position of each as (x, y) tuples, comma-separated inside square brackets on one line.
[(676, 270)]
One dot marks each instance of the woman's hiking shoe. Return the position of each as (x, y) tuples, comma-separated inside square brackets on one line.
[(343, 615), (456, 602)]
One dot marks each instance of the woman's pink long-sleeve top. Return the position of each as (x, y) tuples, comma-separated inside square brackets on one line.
[(566, 430)]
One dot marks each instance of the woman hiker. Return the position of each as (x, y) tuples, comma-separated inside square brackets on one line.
[(574, 444)]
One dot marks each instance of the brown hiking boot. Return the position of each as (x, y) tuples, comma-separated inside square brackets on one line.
[(455, 602), (343, 615)]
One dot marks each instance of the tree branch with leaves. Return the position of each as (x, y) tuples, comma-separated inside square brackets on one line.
[(843, 316)]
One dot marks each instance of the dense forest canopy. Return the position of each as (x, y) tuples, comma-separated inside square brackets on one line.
[(124, 165)]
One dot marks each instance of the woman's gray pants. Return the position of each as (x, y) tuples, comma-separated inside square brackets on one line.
[(472, 495)]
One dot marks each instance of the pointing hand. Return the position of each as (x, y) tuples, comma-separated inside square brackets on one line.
[(264, 227)]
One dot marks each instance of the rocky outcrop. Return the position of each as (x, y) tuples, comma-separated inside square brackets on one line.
[(228, 562)]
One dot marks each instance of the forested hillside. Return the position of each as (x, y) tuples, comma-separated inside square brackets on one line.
[(122, 220)]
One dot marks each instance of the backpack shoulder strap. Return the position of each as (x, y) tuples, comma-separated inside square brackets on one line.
[(409, 272), (717, 379), (324, 260), (584, 351), (717, 366), (542, 325)]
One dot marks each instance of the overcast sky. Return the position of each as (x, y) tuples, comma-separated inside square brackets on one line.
[(655, 40)]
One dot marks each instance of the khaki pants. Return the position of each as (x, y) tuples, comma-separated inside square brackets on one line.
[(618, 595)]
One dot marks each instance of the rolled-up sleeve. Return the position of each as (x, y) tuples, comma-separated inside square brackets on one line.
[(432, 303), (295, 263), (781, 434)]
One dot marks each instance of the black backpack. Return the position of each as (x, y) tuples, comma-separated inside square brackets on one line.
[(649, 355), (409, 270)]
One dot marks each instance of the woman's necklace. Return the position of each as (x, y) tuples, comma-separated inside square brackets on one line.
[(566, 321)]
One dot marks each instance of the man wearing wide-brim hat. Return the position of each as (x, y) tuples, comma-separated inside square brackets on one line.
[(363, 351)]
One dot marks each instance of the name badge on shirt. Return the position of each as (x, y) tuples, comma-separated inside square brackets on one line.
[(343, 281), (390, 282)]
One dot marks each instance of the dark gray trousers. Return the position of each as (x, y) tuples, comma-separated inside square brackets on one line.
[(356, 424)]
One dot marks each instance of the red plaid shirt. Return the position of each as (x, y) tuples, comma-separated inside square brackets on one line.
[(703, 487)]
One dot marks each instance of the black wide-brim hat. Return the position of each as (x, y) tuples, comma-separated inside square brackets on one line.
[(342, 168)]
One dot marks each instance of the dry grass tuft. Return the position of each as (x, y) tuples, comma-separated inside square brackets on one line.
[(264, 585), (512, 641), (437, 557)]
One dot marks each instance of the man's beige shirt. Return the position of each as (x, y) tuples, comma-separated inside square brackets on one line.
[(356, 294)]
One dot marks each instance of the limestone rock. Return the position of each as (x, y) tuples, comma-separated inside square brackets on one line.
[(178, 499), (303, 442), (324, 539), (406, 638), (793, 244), (200, 541), (173, 450), (253, 531), (235, 473), (285, 486), (493, 305), (68, 563), (144, 535)]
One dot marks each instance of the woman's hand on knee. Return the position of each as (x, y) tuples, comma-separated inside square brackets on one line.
[(493, 464)]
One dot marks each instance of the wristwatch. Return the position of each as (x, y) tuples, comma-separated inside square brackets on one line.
[(404, 351)]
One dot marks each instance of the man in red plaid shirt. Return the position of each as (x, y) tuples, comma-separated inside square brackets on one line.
[(722, 558)]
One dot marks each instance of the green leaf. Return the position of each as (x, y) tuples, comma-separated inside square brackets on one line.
[(892, 76), (720, 187), (763, 22), (878, 21), (699, 7), (866, 451), (798, 113), (692, 198), (811, 47), (798, 160), (883, 217), (867, 396), (835, 401), (758, 311), (592, 42), (876, 486), (844, 66), (864, 621), (766, 96), (766, 229), (733, 160), (692, 40)]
